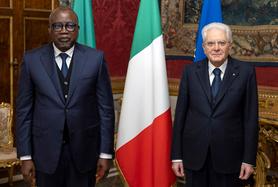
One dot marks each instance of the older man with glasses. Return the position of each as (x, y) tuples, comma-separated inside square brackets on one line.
[(215, 134), (64, 109)]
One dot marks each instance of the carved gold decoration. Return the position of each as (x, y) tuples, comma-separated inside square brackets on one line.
[(118, 84), (173, 85), (267, 159), (268, 104), (6, 137), (268, 137), (8, 156), (252, 43)]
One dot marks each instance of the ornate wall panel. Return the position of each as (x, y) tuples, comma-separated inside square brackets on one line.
[(35, 22), (268, 145), (23, 26), (256, 43), (268, 98), (5, 3), (33, 4), (5, 54), (35, 32)]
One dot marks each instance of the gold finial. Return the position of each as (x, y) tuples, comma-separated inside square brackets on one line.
[(66, 2)]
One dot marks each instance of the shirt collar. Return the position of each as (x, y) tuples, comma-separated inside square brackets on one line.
[(58, 51), (211, 67)]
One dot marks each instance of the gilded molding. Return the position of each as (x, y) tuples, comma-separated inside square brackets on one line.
[(9, 164), (268, 105), (6, 135), (8, 155), (118, 84)]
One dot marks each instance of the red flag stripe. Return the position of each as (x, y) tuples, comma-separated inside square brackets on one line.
[(145, 160)]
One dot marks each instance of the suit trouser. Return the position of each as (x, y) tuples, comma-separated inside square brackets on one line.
[(208, 177), (66, 175)]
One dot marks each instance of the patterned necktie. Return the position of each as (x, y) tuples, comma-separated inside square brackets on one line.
[(216, 82), (64, 68)]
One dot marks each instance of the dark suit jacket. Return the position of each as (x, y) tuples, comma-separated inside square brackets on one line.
[(41, 109), (229, 127)]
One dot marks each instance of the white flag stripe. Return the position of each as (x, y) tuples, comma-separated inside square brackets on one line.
[(145, 96)]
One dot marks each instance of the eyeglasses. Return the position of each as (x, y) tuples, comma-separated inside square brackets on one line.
[(58, 26), (221, 43)]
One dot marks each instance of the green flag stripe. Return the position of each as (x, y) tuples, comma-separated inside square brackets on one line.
[(148, 26), (83, 9)]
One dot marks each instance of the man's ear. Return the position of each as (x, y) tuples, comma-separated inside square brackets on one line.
[(230, 45), (49, 29), (204, 48)]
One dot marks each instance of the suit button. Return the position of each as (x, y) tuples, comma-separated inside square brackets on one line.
[(66, 96), (66, 83)]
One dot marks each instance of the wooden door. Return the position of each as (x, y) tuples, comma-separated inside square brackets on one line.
[(23, 26)]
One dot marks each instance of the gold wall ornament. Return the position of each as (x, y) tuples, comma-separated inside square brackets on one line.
[(8, 155), (66, 2), (6, 135), (267, 158), (268, 104)]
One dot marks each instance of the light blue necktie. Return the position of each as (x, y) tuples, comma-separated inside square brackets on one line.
[(216, 82), (64, 68)]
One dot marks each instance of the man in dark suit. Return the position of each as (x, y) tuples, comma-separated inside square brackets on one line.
[(64, 109), (216, 120)]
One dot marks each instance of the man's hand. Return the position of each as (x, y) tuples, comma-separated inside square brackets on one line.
[(177, 167), (103, 167), (28, 171), (245, 171)]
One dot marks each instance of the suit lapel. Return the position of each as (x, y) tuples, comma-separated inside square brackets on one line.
[(202, 73), (78, 63), (48, 61), (231, 73)]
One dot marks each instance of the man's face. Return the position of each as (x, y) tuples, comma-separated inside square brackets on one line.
[(216, 46), (63, 29)]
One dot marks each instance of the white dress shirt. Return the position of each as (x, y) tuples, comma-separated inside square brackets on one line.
[(211, 67), (58, 59)]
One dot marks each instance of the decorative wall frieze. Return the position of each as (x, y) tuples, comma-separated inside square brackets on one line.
[(251, 43)]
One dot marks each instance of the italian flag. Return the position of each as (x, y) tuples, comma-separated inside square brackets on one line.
[(144, 132)]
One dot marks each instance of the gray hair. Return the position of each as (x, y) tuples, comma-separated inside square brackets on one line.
[(219, 26)]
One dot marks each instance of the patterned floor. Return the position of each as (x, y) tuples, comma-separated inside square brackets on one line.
[(108, 182), (112, 180)]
